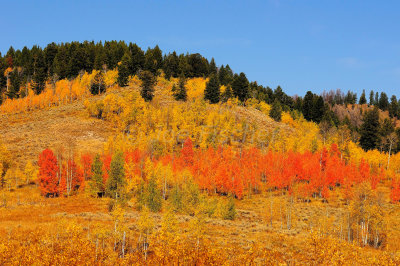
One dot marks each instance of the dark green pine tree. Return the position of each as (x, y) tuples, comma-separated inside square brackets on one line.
[(307, 106), (225, 75), (240, 86), (123, 70), (279, 94), (26, 62), (394, 107), (276, 111), (212, 68), (369, 130), (198, 66), (386, 128), (298, 104), (147, 87), (60, 64), (371, 98), (96, 184), (137, 58), (116, 181), (78, 60), (363, 99), (10, 57), (383, 102), (100, 59), (212, 91), (180, 93), (171, 65), (221, 75), (318, 109), (153, 60), (39, 72), (15, 83), (376, 101), (50, 53)]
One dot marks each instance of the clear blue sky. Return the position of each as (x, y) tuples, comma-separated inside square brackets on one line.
[(300, 45)]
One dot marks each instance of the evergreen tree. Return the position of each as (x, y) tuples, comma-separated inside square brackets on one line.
[(383, 102), (369, 130), (153, 60), (351, 98), (184, 67), (318, 109), (198, 66), (212, 91), (78, 60), (116, 181), (279, 94), (180, 93), (376, 101), (100, 59), (60, 64), (40, 72), (221, 75), (371, 98), (363, 99), (26, 61), (212, 67), (114, 52), (10, 57), (229, 74), (225, 75), (147, 87), (171, 65), (137, 58), (50, 53), (298, 104), (308, 104), (123, 70), (393, 107), (276, 111), (96, 184), (15, 83), (386, 128), (240, 86)]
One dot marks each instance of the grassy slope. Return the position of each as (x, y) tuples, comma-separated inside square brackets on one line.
[(27, 134)]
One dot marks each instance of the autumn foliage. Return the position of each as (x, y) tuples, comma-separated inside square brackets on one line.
[(48, 173), (225, 170)]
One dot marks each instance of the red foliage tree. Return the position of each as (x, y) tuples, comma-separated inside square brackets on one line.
[(395, 190), (48, 169)]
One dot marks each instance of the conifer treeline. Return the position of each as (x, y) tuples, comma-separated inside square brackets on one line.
[(67, 60)]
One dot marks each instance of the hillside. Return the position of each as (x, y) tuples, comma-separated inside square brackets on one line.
[(188, 174)]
